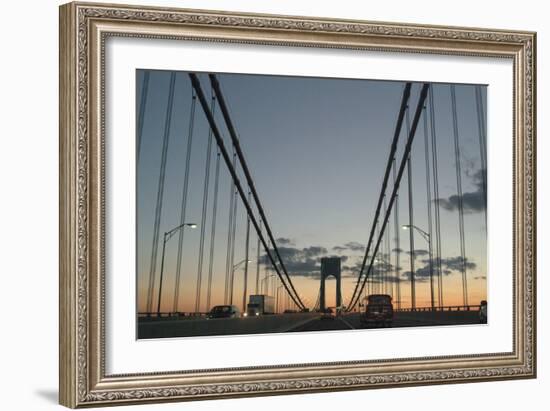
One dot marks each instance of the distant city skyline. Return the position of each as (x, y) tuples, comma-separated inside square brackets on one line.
[(317, 149)]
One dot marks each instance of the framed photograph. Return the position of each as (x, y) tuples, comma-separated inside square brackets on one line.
[(259, 204)]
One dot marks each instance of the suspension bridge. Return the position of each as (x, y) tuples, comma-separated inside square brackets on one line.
[(265, 273)]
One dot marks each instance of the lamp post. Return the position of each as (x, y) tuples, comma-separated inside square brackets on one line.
[(428, 238), (264, 279), (233, 275), (167, 236)]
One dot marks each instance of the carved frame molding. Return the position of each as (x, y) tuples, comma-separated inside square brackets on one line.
[(84, 27)]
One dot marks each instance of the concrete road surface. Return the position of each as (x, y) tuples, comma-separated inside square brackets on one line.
[(401, 319), (200, 326), (298, 322)]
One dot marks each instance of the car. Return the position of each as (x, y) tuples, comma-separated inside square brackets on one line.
[(224, 311), (483, 312), (377, 310), (328, 314)]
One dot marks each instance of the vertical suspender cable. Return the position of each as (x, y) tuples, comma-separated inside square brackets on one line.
[(258, 262), (437, 219), (204, 212), (232, 260), (142, 107), (228, 266), (266, 275), (482, 145), (429, 206), (389, 283), (385, 266), (460, 200), (213, 232), (184, 200), (160, 192), (411, 222), (378, 270), (247, 246), (368, 288), (397, 242)]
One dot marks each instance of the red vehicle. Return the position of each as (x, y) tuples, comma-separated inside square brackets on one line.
[(378, 310)]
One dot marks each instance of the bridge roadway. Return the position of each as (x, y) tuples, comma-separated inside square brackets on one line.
[(401, 319), (296, 322)]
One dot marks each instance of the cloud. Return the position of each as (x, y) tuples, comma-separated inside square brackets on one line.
[(351, 246), (305, 262), (284, 241), (313, 251), (473, 201), (377, 269), (454, 263), (407, 277), (448, 266), (418, 253), (355, 246), (422, 274)]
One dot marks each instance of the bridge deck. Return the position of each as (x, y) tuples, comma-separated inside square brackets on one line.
[(173, 327)]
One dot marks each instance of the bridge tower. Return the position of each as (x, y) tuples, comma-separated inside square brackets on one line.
[(330, 266)]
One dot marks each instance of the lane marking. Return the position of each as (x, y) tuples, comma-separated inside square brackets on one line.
[(347, 323)]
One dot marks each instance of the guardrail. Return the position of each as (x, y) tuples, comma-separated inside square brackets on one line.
[(446, 308), (171, 315)]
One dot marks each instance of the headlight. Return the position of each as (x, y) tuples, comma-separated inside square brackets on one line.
[(245, 314), (257, 313)]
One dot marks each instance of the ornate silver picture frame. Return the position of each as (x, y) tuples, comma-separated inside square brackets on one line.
[(85, 28)]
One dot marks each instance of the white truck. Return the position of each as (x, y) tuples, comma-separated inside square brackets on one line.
[(260, 304)]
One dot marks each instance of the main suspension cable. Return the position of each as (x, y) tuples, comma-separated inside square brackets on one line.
[(408, 146), (391, 156), (197, 86)]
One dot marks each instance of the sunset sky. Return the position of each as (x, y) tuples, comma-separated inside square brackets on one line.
[(317, 149)]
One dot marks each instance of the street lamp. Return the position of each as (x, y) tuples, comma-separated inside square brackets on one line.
[(422, 232), (167, 236), (266, 278), (428, 238), (233, 275)]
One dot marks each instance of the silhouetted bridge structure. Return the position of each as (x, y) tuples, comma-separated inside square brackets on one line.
[(378, 274)]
